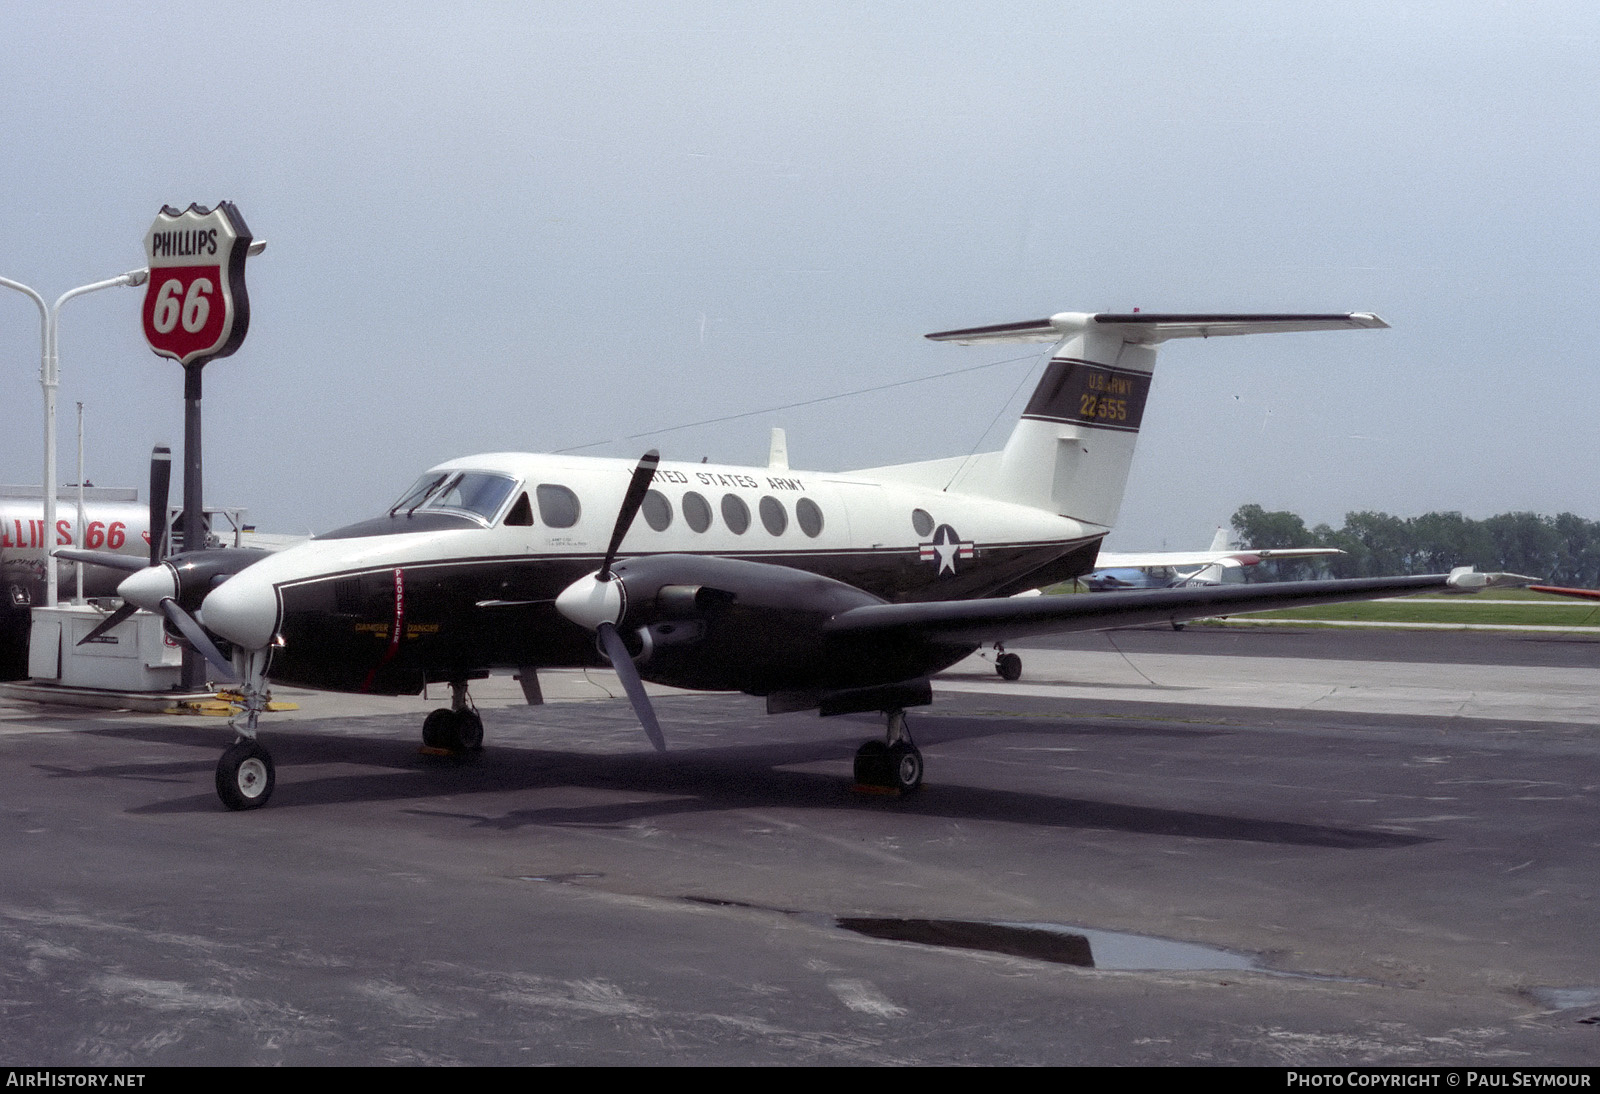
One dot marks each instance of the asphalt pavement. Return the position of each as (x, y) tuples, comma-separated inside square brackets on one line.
[(1282, 847)]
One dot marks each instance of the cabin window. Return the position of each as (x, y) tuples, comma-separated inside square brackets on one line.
[(809, 514), (735, 514), (773, 515), (922, 521), (521, 515), (558, 506), (697, 511), (657, 510)]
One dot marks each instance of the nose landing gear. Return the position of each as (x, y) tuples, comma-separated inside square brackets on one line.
[(245, 775)]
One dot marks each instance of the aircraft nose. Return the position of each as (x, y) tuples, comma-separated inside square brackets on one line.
[(147, 588), (243, 611)]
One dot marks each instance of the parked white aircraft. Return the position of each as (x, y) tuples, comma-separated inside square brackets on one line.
[(1165, 569), (839, 592)]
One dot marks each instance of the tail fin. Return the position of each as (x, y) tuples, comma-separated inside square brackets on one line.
[(1073, 447)]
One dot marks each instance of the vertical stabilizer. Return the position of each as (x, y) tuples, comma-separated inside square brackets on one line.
[(1073, 448)]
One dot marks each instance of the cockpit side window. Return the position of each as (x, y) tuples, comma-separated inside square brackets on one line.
[(521, 515)]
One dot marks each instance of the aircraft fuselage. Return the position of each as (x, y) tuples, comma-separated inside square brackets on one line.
[(439, 592)]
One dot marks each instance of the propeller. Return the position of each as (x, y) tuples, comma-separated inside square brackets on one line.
[(197, 637), (158, 589), (159, 585), (628, 673), (160, 482), (597, 601), (124, 610), (638, 486)]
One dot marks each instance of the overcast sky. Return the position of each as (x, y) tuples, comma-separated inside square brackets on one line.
[(537, 226)]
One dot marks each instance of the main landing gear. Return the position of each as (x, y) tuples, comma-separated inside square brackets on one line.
[(1008, 665), (244, 773), (894, 763), (456, 728)]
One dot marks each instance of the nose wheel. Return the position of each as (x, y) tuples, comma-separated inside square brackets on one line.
[(245, 775)]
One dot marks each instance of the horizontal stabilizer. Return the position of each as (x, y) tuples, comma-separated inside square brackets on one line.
[(1152, 327)]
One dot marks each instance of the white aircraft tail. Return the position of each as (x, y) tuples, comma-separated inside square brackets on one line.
[(1071, 451)]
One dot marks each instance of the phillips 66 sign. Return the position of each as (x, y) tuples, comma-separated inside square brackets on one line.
[(195, 307)]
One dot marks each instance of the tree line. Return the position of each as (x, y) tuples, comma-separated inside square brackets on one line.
[(1563, 549)]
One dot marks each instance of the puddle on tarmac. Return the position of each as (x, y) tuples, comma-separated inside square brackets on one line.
[(1565, 998), (1064, 945), (1055, 942)]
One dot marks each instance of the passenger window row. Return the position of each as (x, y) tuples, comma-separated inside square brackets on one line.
[(559, 508), (735, 513)]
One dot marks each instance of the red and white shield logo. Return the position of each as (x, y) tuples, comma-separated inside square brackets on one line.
[(195, 307)]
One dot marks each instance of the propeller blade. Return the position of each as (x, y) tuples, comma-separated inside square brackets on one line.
[(108, 622), (128, 563), (198, 638), (630, 507), (160, 481), (628, 673)]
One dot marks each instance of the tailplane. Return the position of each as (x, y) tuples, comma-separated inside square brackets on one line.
[(1071, 451)]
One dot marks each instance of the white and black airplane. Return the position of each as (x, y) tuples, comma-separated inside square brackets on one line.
[(1217, 565), (828, 591)]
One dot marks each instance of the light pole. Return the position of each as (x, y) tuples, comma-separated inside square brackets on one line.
[(49, 380)]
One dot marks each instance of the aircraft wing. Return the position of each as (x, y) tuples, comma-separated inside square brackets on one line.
[(991, 620), (1150, 560)]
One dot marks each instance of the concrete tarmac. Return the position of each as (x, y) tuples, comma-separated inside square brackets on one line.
[(1385, 847)]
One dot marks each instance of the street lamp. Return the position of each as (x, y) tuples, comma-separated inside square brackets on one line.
[(49, 380)]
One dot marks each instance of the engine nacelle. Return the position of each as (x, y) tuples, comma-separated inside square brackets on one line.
[(720, 624)]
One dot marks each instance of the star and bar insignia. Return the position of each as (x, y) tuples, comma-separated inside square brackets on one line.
[(946, 548)]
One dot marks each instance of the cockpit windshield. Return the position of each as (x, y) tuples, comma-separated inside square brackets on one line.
[(480, 493)]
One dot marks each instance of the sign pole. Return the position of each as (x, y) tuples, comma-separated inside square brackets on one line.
[(195, 310), (194, 528)]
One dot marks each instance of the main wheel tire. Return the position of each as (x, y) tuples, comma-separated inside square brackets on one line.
[(905, 766), (872, 764), (1009, 666), (245, 776), (438, 728), (468, 727)]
